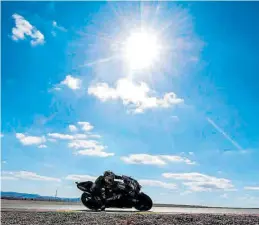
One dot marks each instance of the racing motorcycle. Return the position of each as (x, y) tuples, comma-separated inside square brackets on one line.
[(139, 200)]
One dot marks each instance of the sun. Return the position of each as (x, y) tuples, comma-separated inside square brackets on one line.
[(141, 50)]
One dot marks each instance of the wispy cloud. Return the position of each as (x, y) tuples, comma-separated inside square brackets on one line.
[(89, 144), (135, 96), (71, 82), (221, 131), (55, 136), (42, 146), (8, 178), (24, 28), (201, 182), (77, 177), (157, 183), (67, 136), (93, 63), (252, 188), (72, 128), (30, 140), (52, 140), (158, 160), (89, 147), (94, 152), (56, 28), (83, 144), (26, 175), (55, 25), (85, 126)]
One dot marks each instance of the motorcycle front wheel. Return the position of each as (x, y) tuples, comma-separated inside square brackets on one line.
[(144, 202), (88, 202)]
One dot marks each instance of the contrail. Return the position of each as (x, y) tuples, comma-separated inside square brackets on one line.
[(224, 133), (98, 62)]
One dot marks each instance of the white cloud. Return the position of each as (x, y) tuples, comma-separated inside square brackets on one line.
[(8, 178), (85, 126), (143, 159), (174, 158), (42, 146), (154, 159), (72, 128), (52, 140), (89, 144), (209, 186), (24, 28), (1, 135), (157, 183), (94, 136), (61, 136), (54, 34), (89, 147), (30, 140), (57, 88), (136, 96), (72, 82), (55, 25), (26, 175), (83, 144), (93, 152), (67, 136), (55, 136), (4, 162), (191, 153), (76, 177), (201, 182), (254, 188)]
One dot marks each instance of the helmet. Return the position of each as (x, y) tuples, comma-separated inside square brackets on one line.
[(108, 173), (109, 177)]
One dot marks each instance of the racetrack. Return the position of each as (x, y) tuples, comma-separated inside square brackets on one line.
[(79, 218), (29, 205), (20, 212)]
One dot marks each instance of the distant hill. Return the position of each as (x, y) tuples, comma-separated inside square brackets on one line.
[(17, 195)]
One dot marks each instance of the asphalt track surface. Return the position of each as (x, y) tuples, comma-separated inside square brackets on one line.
[(45, 206), (57, 213)]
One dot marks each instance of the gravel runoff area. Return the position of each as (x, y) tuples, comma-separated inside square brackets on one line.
[(102, 218)]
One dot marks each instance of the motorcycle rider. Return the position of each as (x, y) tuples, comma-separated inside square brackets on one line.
[(105, 182)]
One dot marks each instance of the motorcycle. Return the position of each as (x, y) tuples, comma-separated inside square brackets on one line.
[(139, 200)]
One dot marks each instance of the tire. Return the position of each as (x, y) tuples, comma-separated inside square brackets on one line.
[(88, 202), (144, 202)]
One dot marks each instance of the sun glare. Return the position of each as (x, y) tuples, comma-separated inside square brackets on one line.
[(141, 50)]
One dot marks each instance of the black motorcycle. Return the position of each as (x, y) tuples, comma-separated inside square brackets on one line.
[(138, 200)]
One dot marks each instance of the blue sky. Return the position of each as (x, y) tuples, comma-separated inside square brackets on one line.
[(164, 92)]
